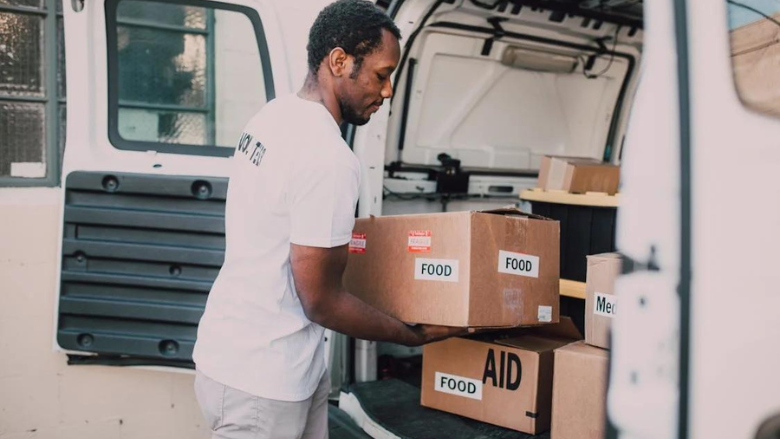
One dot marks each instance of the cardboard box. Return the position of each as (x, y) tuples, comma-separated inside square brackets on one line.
[(502, 378), (578, 175), (579, 392), (600, 298), (494, 268)]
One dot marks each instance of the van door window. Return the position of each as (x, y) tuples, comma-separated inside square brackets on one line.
[(755, 53), (184, 78)]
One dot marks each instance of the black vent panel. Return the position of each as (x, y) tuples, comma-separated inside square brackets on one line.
[(139, 255)]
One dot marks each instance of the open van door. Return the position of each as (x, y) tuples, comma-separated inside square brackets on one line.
[(694, 348), (729, 320), (159, 93)]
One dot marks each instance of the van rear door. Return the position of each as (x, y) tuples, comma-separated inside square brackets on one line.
[(159, 92)]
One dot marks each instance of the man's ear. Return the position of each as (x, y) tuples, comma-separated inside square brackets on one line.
[(339, 62)]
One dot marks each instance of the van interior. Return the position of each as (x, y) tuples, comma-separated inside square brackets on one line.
[(483, 91)]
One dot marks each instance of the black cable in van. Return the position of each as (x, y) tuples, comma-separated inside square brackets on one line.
[(611, 58), (405, 109), (412, 37), (752, 9)]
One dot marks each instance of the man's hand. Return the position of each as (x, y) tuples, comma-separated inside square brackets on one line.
[(430, 333)]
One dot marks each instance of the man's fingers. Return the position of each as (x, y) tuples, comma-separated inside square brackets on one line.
[(436, 332)]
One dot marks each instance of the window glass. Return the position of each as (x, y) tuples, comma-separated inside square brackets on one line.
[(22, 92), (37, 4), (21, 54), (22, 139), (185, 75), (755, 52)]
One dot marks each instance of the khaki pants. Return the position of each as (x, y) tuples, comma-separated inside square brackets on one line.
[(233, 414)]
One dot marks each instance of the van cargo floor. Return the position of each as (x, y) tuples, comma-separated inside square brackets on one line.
[(391, 409)]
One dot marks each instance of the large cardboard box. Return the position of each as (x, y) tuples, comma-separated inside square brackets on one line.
[(578, 175), (600, 298), (494, 268), (579, 392), (503, 378)]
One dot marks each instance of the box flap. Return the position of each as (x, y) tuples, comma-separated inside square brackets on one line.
[(513, 210), (567, 159), (488, 329), (564, 330), (603, 258), (534, 342), (580, 348), (586, 162)]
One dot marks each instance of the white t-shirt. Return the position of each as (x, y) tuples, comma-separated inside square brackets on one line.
[(293, 180)]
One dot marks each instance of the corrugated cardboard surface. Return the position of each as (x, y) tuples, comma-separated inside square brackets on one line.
[(384, 275), (485, 359), (553, 170), (578, 175), (579, 392), (603, 269), (509, 299), (588, 177)]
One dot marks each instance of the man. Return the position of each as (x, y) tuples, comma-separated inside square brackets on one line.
[(290, 213)]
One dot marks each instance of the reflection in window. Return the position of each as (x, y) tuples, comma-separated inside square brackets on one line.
[(187, 75), (755, 52)]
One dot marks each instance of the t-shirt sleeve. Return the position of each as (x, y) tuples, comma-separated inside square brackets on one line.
[(323, 200)]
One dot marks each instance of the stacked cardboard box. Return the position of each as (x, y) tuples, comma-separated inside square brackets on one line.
[(489, 269), (532, 379), (505, 378), (580, 380), (582, 194), (497, 268), (600, 298), (578, 175), (579, 392)]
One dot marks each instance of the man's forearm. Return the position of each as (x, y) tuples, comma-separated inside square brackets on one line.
[(349, 315)]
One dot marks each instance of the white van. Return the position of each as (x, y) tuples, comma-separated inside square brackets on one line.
[(159, 91)]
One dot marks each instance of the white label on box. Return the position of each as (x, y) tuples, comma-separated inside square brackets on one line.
[(460, 386), (436, 269), (545, 314), (518, 264), (604, 305)]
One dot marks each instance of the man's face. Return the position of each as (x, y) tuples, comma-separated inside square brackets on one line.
[(362, 92)]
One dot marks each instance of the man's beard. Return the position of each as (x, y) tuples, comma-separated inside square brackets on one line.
[(349, 115)]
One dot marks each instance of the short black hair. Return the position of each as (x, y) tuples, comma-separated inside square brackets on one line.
[(354, 25)]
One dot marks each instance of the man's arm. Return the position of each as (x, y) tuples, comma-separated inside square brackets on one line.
[(317, 273)]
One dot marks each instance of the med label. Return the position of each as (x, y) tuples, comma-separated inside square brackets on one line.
[(605, 305), (445, 270), (518, 264)]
